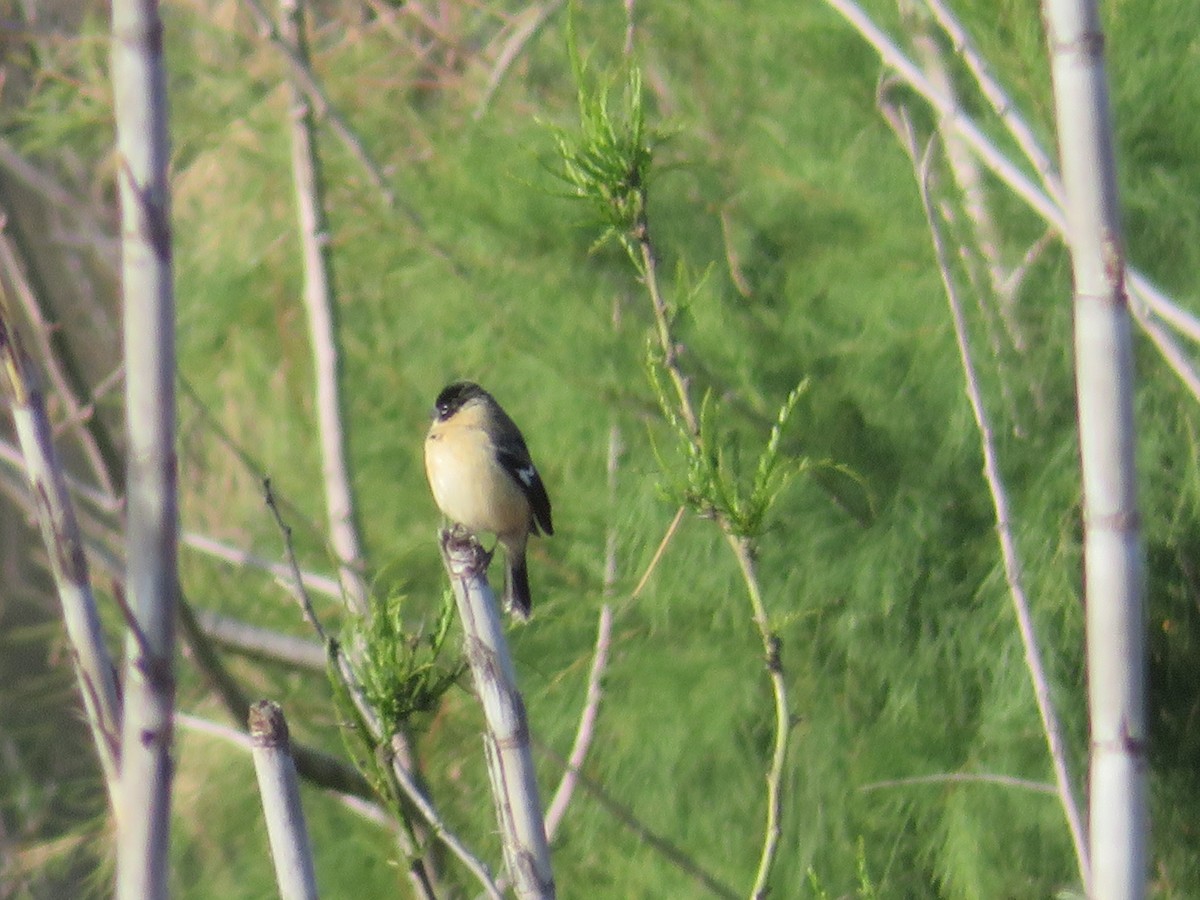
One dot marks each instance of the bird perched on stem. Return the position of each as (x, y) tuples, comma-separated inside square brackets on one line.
[(483, 479)]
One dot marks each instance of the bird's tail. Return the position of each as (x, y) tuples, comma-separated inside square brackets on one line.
[(516, 587)]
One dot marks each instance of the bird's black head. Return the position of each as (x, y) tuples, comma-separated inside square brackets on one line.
[(454, 397)]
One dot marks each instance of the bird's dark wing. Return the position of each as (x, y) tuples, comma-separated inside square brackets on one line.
[(517, 463)]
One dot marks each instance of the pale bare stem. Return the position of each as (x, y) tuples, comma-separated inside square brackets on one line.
[(360, 801), (142, 159), (262, 643), (304, 79), (1001, 103), (610, 539), (587, 724), (279, 789), (315, 766), (743, 550), (1182, 320), (1174, 355), (1114, 560), (1010, 781), (963, 164), (78, 413), (236, 556), (612, 468), (307, 83), (1051, 727), (996, 162), (1037, 198), (320, 304), (524, 27), (64, 546), (510, 758)]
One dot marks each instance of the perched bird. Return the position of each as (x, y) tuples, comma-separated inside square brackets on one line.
[(484, 480)]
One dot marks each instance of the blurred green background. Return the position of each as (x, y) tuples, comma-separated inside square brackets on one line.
[(779, 183)]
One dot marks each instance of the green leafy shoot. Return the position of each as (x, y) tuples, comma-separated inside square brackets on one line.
[(404, 673), (713, 482), (607, 161)]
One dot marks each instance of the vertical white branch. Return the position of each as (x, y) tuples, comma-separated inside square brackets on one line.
[(319, 302), (1113, 565), (139, 96), (506, 742), (279, 787)]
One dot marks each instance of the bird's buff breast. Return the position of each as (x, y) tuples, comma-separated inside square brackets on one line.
[(469, 486)]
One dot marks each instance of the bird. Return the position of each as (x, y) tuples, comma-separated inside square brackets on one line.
[(484, 480)]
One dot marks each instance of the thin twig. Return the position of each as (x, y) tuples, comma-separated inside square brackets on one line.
[(103, 462), (742, 550), (438, 825), (1018, 182), (304, 79), (307, 82), (660, 843), (659, 551), (320, 304), (527, 24), (1051, 727), (397, 746), (1024, 784), (1002, 104), (587, 724)]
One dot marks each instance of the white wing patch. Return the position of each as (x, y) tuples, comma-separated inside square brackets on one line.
[(527, 474)]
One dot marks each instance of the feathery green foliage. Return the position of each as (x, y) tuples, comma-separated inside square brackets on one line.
[(402, 670)]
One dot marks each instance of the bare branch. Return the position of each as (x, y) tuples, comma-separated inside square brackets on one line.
[(320, 303), (1113, 556), (103, 461), (587, 724), (64, 545), (280, 792), (320, 584), (1051, 727), (263, 643), (1024, 784), (397, 745), (139, 94), (506, 742)]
